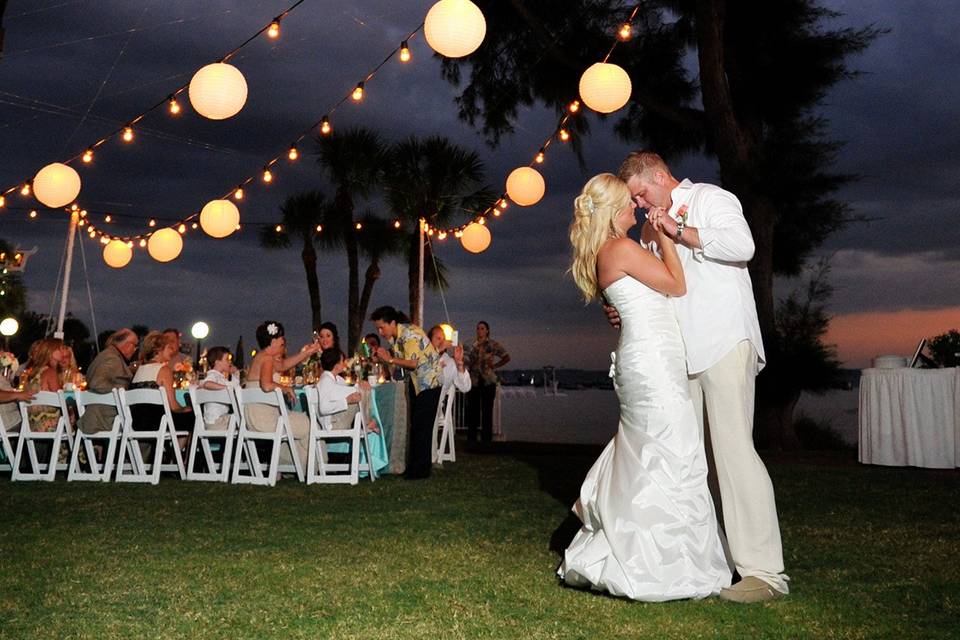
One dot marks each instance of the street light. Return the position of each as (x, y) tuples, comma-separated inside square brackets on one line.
[(8, 327), (199, 331)]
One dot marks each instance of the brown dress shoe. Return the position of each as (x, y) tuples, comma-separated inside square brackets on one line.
[(750, 589)]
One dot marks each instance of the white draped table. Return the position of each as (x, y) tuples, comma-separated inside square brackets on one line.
[(910, 417)]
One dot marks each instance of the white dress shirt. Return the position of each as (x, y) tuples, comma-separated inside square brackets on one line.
[(718, 311), (213, 411), (461, 379), (333, 391)]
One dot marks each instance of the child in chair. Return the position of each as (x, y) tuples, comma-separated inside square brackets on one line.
[(215, 414)]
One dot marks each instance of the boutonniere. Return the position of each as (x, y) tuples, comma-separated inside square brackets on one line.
[(682, 213)]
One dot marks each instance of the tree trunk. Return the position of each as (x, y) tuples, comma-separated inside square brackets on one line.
[(373, 274), (413, 275), (309, 257), (354, 320)]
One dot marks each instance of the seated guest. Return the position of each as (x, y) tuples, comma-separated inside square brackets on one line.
[(451, 359), (109, 370), (329, 338), (411, 350), (272, 345), (155, 372), (9, 411), (339, 400), (178, 356), (215, 414), (43, 372)]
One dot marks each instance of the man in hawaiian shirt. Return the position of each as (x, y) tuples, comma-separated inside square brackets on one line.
[(411, 349), (485, 355)]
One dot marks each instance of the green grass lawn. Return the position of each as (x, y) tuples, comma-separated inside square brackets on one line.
[(872, 552)]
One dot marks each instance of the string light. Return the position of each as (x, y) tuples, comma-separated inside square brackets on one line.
[(174, 105), (564, 135), (182, 228), (540, 157), (504, 204), (625, 31), (273, 31), (267, 175), (357, 94), (152, 223), (25, 189), (143, 243), (574, 106), (396, 224), (109, 218), (128, 134), (194, 225), (293, 154), (88, 156), (442, 235), (278, 228), (3, 201), (359, 226), (238, 194), (319, 228), (33, 213), (404, 52), (325, 127)]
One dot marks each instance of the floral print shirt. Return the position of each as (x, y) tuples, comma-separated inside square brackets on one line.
[(412, 343), (482, 357)]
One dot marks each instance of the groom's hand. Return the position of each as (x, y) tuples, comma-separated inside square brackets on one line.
[(613, 316)]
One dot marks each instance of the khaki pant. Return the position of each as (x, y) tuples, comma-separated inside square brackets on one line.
[(726, 391)]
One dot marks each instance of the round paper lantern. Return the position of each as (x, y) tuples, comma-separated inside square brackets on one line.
[(219, 218), (475, 238), (117, 254), (218, 91), (605, 87), (165, 245), (9, 326), (525, 186), (454, 28), (56, 185)]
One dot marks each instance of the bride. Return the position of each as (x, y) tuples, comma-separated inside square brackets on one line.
[(649, 528)]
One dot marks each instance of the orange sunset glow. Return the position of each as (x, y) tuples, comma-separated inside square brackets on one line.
[(862, 336)]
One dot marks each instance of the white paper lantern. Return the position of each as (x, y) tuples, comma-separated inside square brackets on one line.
[(454, 28), (605, 87), (218, 91), (525, 186), (219, 218), (56, 185), (165, 245), (117, 254), (475, 238)]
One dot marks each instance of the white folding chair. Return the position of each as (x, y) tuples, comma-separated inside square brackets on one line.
[(247, 457), (444, 449), (321, 471), (87, 441), (203, 436), (131, 467), (62, 435), (8, 443)]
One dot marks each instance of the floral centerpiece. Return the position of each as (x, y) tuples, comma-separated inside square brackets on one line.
[(8, 364), (182, 372)]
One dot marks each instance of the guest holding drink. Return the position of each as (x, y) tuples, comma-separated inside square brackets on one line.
[(412, 350), (451, 359), (484, 356)]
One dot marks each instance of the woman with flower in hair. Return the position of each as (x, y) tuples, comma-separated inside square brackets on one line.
[(649, 530), (272, 346), (47, 359)]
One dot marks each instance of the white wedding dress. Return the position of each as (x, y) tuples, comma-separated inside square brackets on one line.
[(649, 528)]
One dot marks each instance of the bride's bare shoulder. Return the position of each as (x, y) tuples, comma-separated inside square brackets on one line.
[(616, 247)]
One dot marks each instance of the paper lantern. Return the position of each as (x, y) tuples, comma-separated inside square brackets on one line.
[(476, 237), (219, 218), (165, 245), (605, 87), (454, 28), (218, 91), (117, 254), (525, 186), (56, 185)]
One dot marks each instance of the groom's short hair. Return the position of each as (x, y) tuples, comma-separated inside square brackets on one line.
[(640, 163)]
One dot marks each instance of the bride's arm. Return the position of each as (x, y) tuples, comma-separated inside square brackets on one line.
[(629, 257)]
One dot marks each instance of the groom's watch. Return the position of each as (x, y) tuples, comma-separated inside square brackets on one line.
[(679, 233)]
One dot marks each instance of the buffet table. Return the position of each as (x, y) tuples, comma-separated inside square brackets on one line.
[(910, 417)]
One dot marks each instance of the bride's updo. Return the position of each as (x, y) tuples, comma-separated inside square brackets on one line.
[(594, 214)]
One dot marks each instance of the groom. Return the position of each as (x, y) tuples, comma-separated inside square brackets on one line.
[(718, 321)]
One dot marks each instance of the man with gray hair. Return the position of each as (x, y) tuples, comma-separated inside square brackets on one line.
[(108, 371)]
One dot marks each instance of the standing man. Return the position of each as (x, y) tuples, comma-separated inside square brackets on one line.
[(411, 350), (485, 356), (718, 321), (108, 371)]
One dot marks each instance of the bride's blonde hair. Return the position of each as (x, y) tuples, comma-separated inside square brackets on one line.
[(594, 214)]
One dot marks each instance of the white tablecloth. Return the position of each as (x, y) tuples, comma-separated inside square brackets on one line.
[(910, 417)]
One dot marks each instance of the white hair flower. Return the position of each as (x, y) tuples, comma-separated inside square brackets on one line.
[(273, 329), (588, 204)]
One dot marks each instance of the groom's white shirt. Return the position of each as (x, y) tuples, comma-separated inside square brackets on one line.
[(718, 311)]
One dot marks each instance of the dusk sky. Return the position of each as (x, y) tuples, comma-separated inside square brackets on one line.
[(74, 70)]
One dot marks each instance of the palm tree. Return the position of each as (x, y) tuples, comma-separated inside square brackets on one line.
[(377, 239), (437, 180), (354, 161), (301, 215)]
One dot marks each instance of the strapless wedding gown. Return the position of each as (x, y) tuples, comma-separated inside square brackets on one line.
[(649, 528)]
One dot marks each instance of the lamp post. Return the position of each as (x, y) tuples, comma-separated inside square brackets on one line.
[(8, 327), (199, 331)]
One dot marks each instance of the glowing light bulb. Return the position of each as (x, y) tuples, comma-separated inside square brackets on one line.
[(3, 201), (404, 52), (442, 235), (128, 134), (564, 135), (325, 127), (504, 204), (574, 106), (130, 243), (319, 228), (496, 213), (109, 218), (152, 223), (273, 31), (238, 194), (293, 154), (625, 31), (278, 228), (25, 190), (104, 240), (88, 156), (481, 221), (396, 224), (182, 228), (540, 157), (357, 94), (267, 175), (174, 106), (143, 243), (359, 226), (33, 214), (194, 225)]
